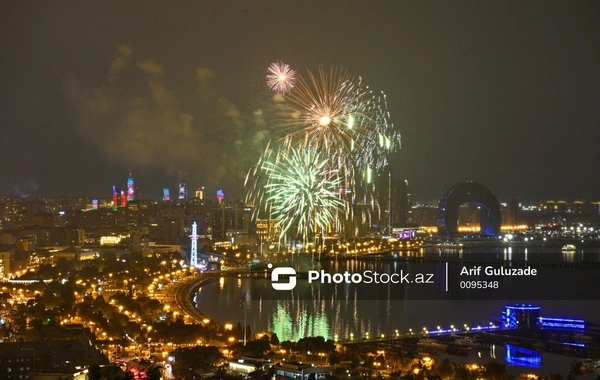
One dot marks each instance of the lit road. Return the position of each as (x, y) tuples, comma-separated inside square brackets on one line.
[(183, 297)]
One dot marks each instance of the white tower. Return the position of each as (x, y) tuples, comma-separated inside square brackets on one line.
[(194, 253)]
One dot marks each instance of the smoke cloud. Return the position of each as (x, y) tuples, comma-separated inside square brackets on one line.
[(122, 60), (192, 133)]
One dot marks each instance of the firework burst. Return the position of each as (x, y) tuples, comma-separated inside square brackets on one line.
[(300, 190), (334, 118), (280, 77), (338, 114)]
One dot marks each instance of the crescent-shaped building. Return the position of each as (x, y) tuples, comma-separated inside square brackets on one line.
[(464, 192)]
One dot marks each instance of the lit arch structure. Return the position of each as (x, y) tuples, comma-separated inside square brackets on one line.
[(459, 194)]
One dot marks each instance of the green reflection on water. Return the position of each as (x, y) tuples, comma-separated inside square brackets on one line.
[(288, 327)]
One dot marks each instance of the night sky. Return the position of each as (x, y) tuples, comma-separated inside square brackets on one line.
[(506, 93)]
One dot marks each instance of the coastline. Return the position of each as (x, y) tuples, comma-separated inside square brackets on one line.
[(183, 296)]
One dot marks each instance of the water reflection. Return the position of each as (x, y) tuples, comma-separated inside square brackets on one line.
[(523, 357), (350, 316), (568, 256), (513, 254)]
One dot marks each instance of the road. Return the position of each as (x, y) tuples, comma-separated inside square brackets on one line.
[(183, 294)]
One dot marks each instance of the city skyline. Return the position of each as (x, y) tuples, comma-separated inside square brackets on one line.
[(503, 95), (193, 191), (283, 190)]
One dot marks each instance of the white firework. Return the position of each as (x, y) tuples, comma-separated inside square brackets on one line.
[(280, 77)]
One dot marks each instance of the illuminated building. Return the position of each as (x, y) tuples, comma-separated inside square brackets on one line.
[(182, 191), (490, 218), (166, 195), (267, 230), (115, 197), (220, 195), (301, 371), (54, 236), (229, 219), (244, 366), (521, 317), (424, 215), (123, 199), (130, 189), (562, 323), (200, 193), (48, 359), (528, 317), (6, 259), (110, 240), (95, 204)]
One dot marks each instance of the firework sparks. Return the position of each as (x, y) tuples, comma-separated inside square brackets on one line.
[(333, 120), (301, 190), (280, 77), (338, 114)]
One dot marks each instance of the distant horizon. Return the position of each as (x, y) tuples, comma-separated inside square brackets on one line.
[(414, 200)]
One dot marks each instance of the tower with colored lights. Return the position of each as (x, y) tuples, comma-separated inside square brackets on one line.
[(130, 188), (123, 199), (115, 197), (194, 250), (182, 191), (200, 193)]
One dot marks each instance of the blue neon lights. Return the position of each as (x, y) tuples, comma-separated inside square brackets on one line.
[(523, 357), (527, 316), (563, 323), (573, 344), (523, 307)]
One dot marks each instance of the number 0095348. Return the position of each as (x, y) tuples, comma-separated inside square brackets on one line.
[(479, 284)]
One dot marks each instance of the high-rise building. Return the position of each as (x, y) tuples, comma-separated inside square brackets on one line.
[(182, 191), (515, 212), (423, 215), (42, 219), (402, 210), (230, 217), (166, 195), (130, 189), (385, 187), (200, 193), (115, 197), (123, 199), (6, 262)]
